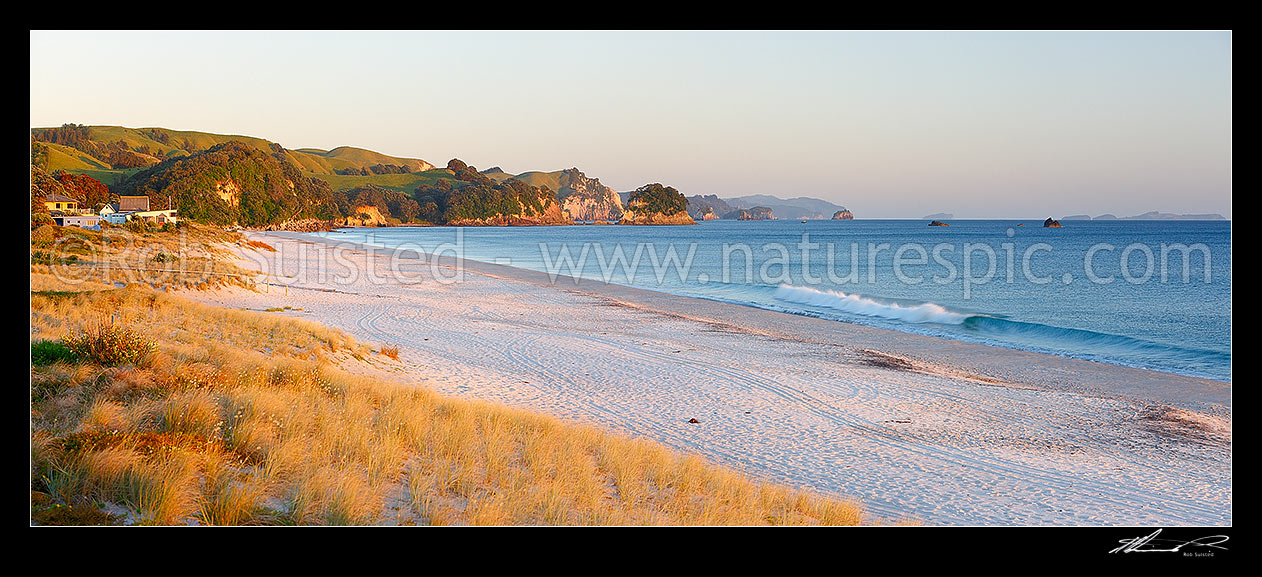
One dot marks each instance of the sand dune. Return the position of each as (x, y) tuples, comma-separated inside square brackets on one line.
[(945, 432)]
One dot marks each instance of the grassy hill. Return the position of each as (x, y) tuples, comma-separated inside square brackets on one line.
[(82, 151), (552, 180), (344, 157), (69, 159), (400, 182)]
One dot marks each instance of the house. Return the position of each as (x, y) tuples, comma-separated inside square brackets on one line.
[(133, 204), (82, 220), (108, 209), (153, 216), (61, 203)]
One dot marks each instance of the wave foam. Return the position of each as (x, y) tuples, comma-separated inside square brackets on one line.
[(857, 304)]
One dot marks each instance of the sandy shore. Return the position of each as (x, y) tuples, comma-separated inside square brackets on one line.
[(914, 426)]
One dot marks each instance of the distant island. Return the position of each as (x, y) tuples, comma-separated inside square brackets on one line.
[(1151, 215), (938, 216)]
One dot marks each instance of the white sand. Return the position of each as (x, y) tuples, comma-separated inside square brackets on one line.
[(970, 435)]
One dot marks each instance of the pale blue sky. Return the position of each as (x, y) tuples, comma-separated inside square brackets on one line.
[(1014, 124)]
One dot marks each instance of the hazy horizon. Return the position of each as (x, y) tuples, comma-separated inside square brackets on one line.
[(890, 125)]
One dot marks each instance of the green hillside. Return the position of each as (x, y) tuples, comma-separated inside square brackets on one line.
[(82, 148), (552, 180), (348, 156), (401, 182), (67, 158)]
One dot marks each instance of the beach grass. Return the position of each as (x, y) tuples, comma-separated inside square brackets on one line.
[(233, 417)]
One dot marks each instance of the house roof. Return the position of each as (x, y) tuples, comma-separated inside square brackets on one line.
[(133, 203), (58, 197)]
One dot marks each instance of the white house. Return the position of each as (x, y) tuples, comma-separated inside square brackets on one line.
[(81, 220)]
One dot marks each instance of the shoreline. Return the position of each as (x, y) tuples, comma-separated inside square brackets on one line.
[(958, 358), (944, 431)]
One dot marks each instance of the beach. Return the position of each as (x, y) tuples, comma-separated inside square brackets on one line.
[(915, 427)]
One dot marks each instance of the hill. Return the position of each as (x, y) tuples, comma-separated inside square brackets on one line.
[(709, 207), (789, 208), (118, 148), (582, 198), (233, 183)]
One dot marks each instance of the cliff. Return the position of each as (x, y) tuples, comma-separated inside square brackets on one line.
[(632, 217), (843, 214), (755, 213), (700, 206), (586, 199)]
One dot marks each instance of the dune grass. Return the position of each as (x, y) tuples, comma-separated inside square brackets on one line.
[(235, 417), (187, 256)]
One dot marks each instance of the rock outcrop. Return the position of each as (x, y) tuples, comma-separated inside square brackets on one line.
[(1049, 223), (631, 216), (366, 216), (938, 223), (843, 215), (586, 199)]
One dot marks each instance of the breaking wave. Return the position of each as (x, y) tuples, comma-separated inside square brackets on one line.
[(860, 305)]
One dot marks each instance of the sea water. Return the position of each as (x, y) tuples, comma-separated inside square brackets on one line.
[(1150, 294)]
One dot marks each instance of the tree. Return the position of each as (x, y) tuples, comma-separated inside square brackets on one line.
[(655, 198)]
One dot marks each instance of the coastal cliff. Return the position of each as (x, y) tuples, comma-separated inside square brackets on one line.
[(586, 199), (755, 213), (708, 207)]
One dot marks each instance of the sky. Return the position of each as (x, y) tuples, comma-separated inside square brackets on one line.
[(888, 124)]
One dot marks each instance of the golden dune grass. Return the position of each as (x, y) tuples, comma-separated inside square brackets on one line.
[(245, 418)]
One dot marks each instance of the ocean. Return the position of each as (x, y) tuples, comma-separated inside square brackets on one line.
[(1148, 294)]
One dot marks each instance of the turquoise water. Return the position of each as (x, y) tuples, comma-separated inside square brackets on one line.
[(1040, 295)]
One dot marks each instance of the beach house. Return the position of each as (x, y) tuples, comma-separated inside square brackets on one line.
[(60, 203), (80, 220)]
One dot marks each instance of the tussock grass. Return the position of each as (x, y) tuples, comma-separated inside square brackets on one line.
[(239, 417), (190, 256)]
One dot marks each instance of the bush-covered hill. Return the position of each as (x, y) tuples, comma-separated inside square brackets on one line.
[(234, 183)]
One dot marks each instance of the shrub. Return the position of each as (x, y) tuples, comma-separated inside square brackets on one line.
[(48, 352), (109, 345), (390, 351)]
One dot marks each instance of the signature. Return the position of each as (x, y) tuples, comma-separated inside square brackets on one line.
[(1151, 544)]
